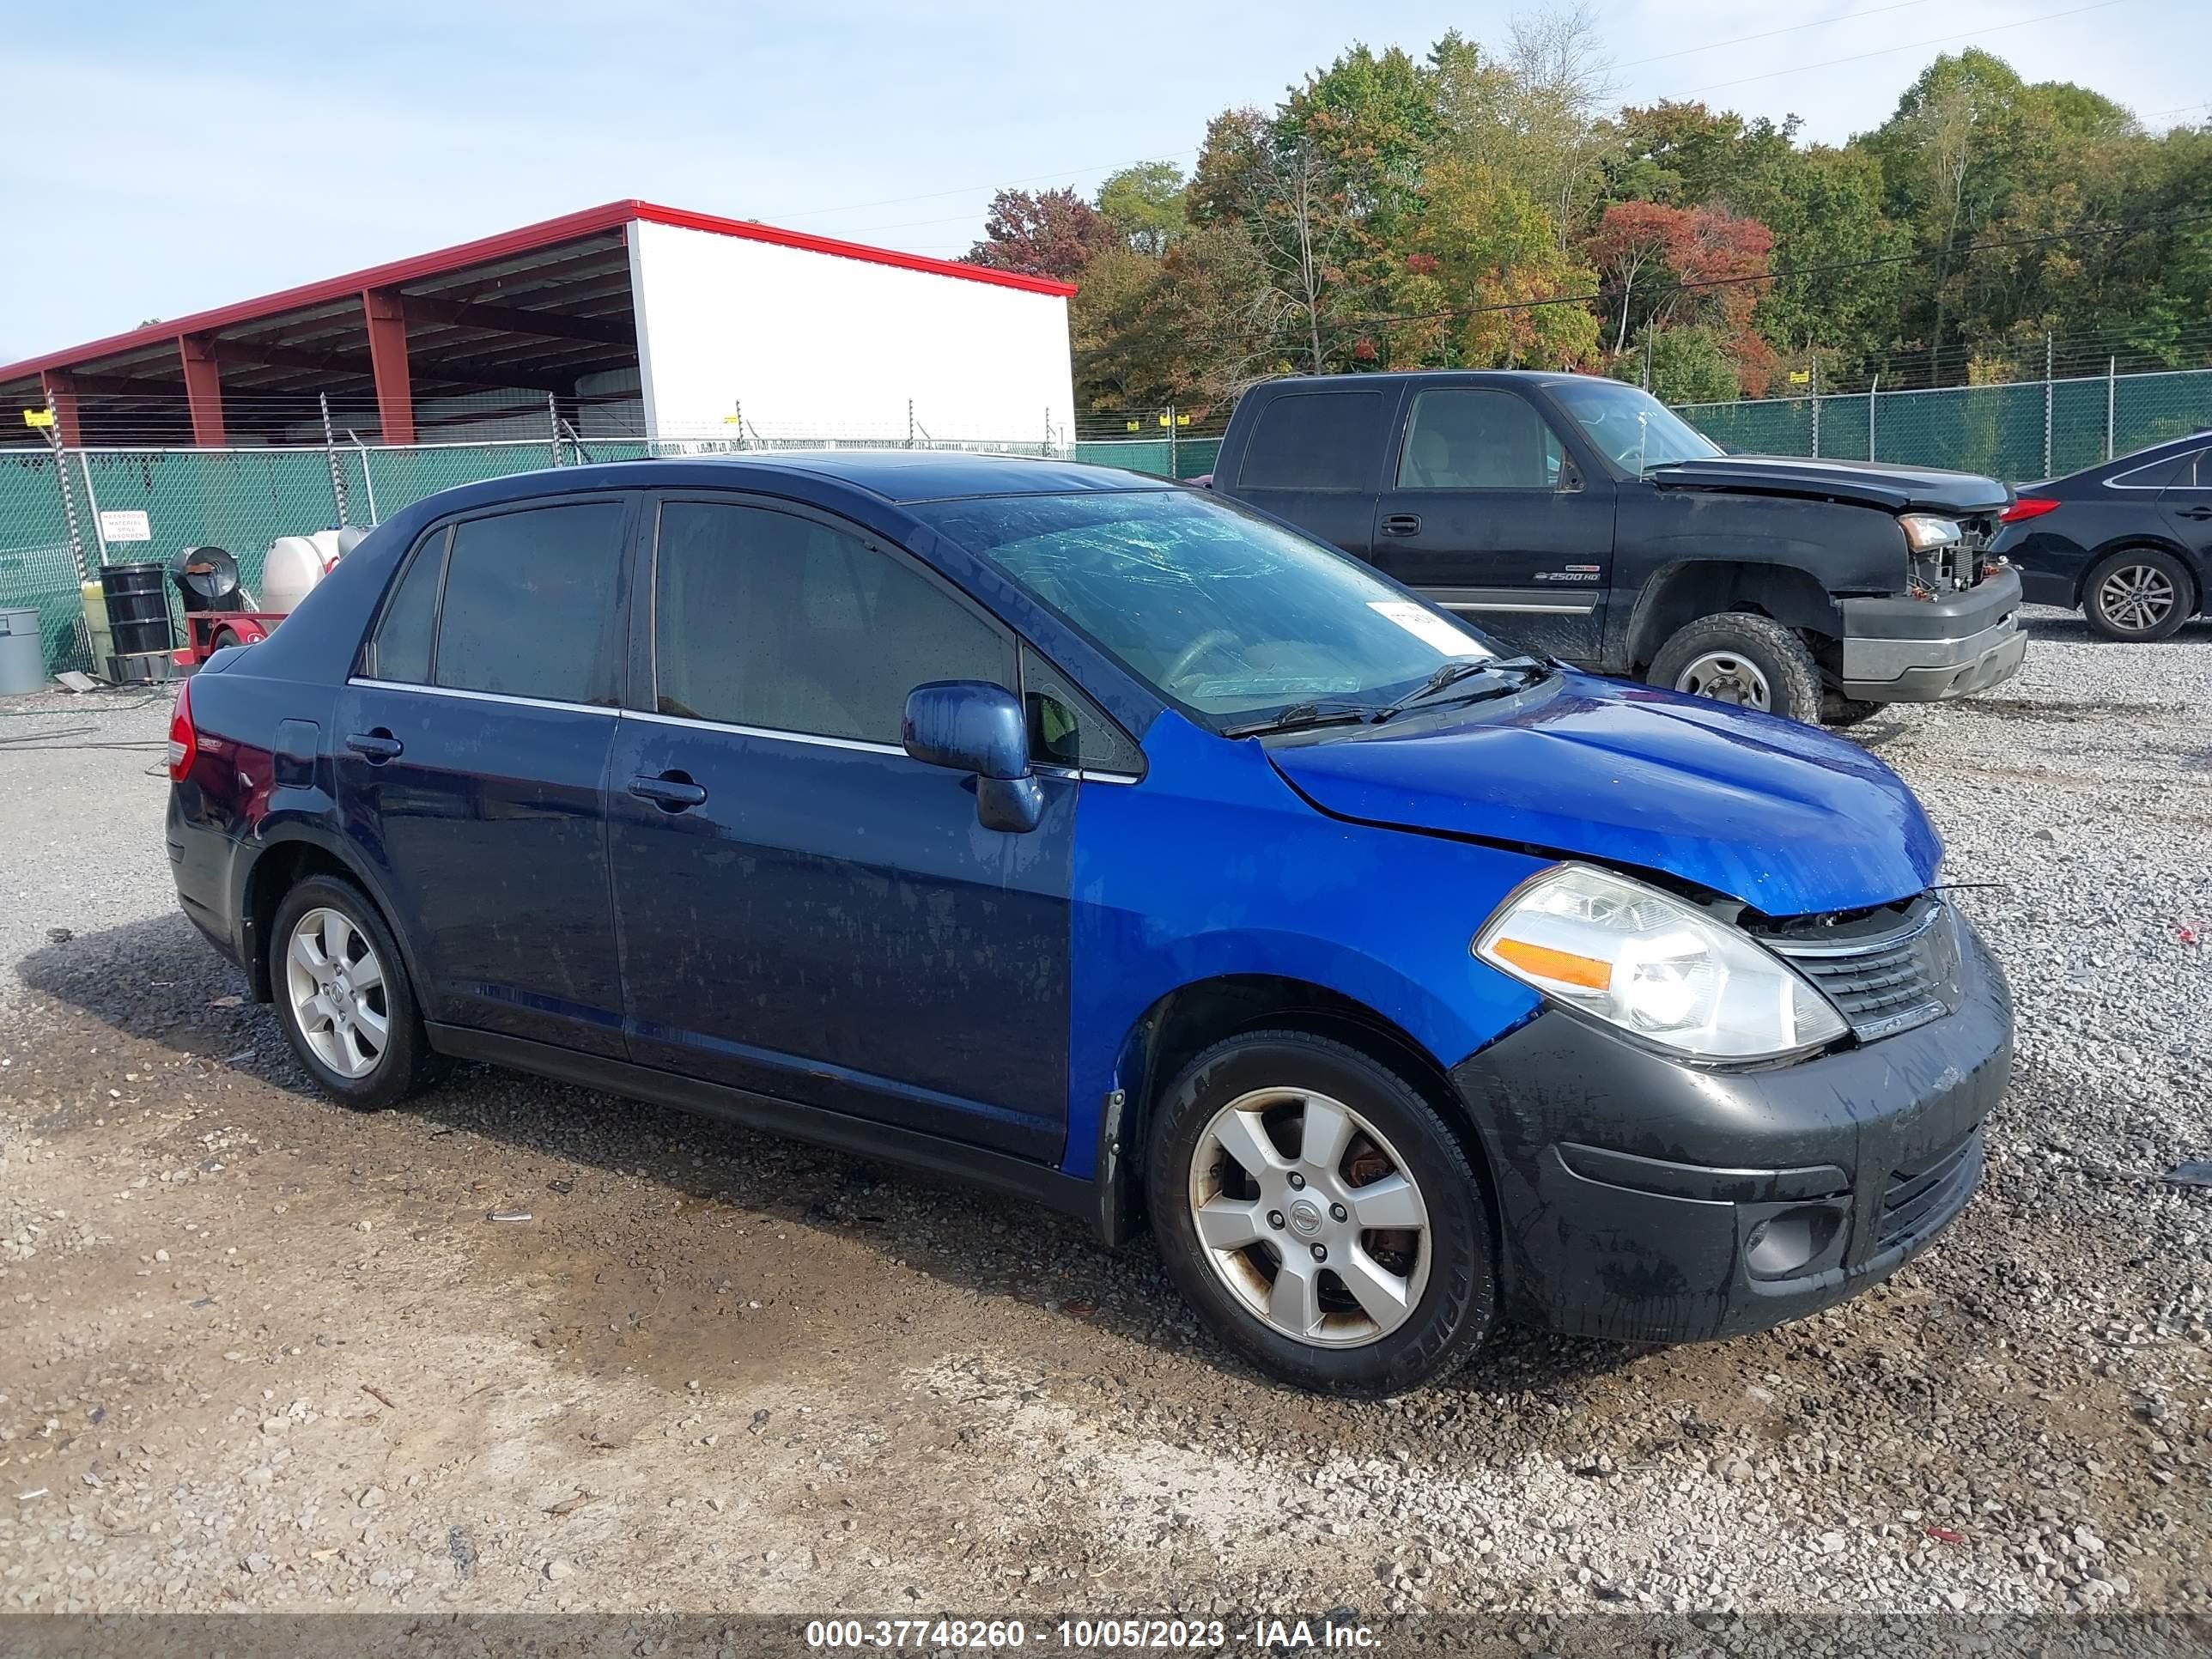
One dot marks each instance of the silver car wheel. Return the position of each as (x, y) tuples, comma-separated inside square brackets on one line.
[(1726, 677), (334, 987), (2135, 598), (1328, 1243)]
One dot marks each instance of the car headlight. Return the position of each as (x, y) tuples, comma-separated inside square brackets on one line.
[(1646, 962), (1925, 531)]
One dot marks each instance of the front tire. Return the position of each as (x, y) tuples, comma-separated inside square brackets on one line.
[(2138, 595), (344, 997), (1742, 657), (1321, 1215)]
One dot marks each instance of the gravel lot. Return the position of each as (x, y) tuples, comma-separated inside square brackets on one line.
[(263, 1353)]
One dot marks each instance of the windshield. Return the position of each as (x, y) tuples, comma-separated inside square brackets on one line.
[(1227, 617), (1631, 425)]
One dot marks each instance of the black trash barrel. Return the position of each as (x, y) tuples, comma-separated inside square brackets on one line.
[(137, 597)]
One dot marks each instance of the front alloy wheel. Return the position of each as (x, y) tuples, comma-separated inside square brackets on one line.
[(1726, 676), (1308, 1218), (1321, 1213)]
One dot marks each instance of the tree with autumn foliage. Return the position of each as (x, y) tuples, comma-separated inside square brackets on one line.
[(1701, 267), (1046, 232)]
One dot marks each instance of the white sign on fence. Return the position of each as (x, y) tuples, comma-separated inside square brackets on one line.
[(125, 527)]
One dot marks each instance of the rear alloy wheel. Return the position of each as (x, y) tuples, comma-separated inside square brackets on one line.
[(2140, 595), (1742, 657), (343, 995), (1321, 1215)]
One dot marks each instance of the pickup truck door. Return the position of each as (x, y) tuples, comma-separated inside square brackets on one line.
[(1314, 458), (1486, 513)]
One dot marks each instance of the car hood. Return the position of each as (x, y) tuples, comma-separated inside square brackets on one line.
[(1867, 483), (1784, 817)]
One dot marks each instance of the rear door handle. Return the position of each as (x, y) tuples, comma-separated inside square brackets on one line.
[(379, 746), (671, 792), (2193, 511), (1402, 523)]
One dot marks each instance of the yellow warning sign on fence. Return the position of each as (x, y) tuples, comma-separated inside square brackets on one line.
[(37, 417)]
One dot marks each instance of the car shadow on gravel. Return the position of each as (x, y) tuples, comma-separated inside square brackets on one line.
[(158, 980), (2058, 627)]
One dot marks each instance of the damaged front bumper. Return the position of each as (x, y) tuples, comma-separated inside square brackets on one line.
[(1646, 1198), (1928, 650)]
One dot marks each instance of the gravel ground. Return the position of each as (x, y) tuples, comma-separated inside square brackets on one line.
[(266, 1354)]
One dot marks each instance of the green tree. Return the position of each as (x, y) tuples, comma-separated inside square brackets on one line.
[(1146, 204), (1688, 366), (1486, 285)]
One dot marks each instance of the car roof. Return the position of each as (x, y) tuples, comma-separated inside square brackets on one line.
[(2149, 455), (903, 475), (1398, 377)]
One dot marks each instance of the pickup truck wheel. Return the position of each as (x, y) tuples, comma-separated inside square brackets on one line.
[(343, 998), (2140, 594), (1320, 1215), (1745, 658)]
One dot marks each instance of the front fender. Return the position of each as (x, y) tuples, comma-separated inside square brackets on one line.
[(1214, 868)]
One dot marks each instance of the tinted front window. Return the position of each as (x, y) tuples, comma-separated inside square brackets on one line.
[(1631, 425), (767, 619), (401, 651), (1316, 440), (1224, 615), (530, 604), (1469, 439)]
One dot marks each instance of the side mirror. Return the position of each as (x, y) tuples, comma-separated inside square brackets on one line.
[(974, 727)]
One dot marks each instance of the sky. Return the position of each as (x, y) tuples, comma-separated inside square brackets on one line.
[(170, 158)]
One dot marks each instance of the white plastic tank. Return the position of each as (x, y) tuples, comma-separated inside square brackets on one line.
[(293, 566)]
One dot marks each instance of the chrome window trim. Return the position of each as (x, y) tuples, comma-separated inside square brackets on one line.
[(367, 684), (777, 734)]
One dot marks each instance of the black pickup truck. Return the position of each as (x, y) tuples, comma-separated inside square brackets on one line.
[(1582, 518)]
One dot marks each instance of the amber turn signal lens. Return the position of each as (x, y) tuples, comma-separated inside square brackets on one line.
[(1560, 967)]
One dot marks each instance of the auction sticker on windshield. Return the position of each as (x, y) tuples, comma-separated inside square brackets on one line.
[(1429, 628)]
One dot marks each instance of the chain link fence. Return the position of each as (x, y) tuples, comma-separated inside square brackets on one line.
[(240, 500), (2018, 431)]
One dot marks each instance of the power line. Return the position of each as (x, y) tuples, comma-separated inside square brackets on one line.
[(1910, 46)]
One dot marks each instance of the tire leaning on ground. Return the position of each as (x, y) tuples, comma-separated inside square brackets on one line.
[(1320, 1215), (2138, 594), (1740, 657), (344, 997)]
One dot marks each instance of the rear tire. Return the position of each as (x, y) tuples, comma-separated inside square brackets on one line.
[(1357, 1264), (1742, 657), (2138, 595), (344, 997)]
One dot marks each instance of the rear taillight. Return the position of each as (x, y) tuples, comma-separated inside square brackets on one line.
[(2028, 506), (184, 741)]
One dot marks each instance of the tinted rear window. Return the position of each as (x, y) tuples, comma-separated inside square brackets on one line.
[(530, 604), (1316, 440)]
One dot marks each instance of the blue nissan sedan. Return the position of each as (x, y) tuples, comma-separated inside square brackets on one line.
[(1122, 850)]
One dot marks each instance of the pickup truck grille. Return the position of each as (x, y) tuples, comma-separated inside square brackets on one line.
[(1884, 976)]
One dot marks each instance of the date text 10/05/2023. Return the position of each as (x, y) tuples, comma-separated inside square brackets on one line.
[(1091, 1635)]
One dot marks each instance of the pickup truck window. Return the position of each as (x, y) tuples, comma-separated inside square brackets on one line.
[(1316, 440), (1226, 616), (1464, 438), (1633, 427)]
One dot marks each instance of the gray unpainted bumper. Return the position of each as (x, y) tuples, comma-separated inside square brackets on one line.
[(1921, 651)]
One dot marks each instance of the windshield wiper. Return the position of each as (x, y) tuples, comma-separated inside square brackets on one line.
[(1463, 668), (1300, 715)]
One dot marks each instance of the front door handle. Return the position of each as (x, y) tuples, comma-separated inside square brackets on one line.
[(378, 746), (1402, 523), (2193, 511), (671, 792)]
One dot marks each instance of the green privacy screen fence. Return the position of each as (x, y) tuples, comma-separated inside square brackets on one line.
[(242, 499), (2017, 432)]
